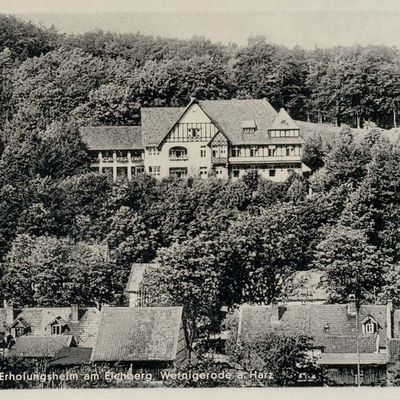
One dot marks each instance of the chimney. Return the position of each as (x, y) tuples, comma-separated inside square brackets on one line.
[(389, 316), (352, 307), (74, 313), (9, 311), (275, 317)]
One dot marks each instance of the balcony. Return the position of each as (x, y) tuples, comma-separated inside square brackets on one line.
[(180, 158), (219, 160), (107, 159), (256, 160), (122, 159)]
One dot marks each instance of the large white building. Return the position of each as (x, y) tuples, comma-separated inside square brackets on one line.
[(226, 138)]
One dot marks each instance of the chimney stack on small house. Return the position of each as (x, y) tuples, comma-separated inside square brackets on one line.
[(74, 313), (9, 311), (352, 307), (389, 316), (275, 317)]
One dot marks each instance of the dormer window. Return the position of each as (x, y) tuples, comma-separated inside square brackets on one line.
[(249, 126), (19, 332), (56, 329), (58, 326), (369, 325)]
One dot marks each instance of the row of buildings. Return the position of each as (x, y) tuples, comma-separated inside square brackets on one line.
[(355, 345), (224, 138)]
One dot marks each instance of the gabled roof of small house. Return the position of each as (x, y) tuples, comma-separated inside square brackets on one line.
[(138, 334), (19, 320), (40, 346), (228, 116), (315, 320), (136, 276), (112, 137), (72, 356), (58, 321)]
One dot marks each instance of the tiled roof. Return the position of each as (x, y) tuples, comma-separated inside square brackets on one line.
[(315, 320), (72, 356), (348, 344), (40, 346), (138, 334), (352, 359), (85, 330), (112, 137), (136, 276), (283, 121), (228, 115), (39, 319), (156, 122)]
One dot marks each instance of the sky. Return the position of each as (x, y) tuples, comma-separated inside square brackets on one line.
[(307, 23)]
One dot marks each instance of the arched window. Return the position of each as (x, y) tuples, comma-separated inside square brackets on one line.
[(178, 153)]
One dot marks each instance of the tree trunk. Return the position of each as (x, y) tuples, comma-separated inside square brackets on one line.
[(358, 121), (394, 118)]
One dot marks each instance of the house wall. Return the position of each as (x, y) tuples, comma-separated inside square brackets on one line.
[(347, 375)]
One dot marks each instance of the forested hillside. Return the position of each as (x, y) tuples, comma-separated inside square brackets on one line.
[(218, 242)]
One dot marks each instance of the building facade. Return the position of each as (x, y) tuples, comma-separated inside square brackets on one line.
[(224, 138)]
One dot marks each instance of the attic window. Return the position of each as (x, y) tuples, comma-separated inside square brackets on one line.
[(249, 126), (19, 331), (56, 329), (369, 326), (284, 122), (194, 133)]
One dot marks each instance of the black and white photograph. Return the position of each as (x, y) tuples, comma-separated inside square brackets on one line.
[(200, 195)]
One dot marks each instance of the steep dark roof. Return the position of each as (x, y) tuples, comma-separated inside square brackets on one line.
[(40, 346), (316, 320), (112, 137), (138, 334), (136, 276), (72, 356)]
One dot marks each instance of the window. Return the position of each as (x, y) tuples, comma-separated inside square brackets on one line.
[(178, 153), (235, 151), (203, 172), (287, 151), (271, 152), (253, 151), (153, 151), (370, 327), (249, 130), (236, 173), (271, 172), (56, 329), (19, 331), (178, 172), (203, 151), (194, 133), (154, 170)]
